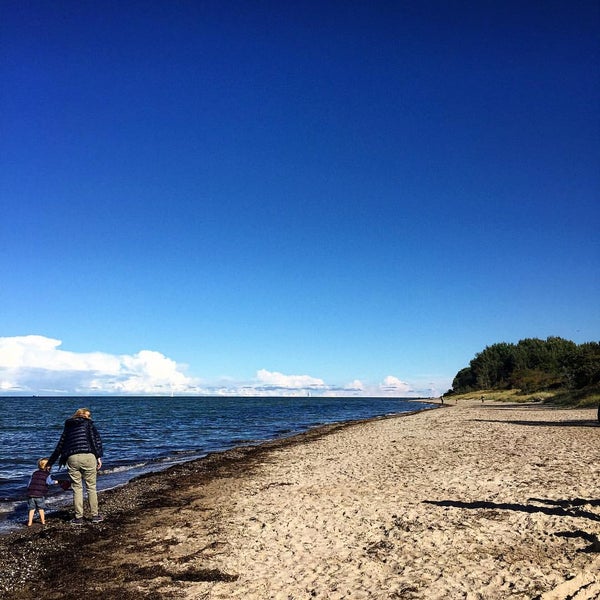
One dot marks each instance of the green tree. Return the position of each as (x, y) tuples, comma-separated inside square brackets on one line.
[(492, 367), (532, 365), (464, 381), (583, 366)]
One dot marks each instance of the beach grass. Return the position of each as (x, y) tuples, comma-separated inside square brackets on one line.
[(587, 398)]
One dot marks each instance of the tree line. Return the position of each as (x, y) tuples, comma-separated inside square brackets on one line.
[(532, 365)]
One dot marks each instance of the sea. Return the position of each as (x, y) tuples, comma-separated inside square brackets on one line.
[(147, 434)]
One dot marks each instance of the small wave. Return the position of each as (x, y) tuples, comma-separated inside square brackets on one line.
[(122, 468), (8, 505), (144, 435)]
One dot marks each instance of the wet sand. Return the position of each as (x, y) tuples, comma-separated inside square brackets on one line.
[(480, 502)]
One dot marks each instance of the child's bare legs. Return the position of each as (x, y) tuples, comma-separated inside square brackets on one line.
[(42, 514)]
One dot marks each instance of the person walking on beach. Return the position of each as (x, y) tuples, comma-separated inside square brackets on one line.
[(80, 448), (37, 488)]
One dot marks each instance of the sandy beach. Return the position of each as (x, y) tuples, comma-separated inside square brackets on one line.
[(475, 501)]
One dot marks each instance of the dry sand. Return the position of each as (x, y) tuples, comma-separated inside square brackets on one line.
[(472, 501)]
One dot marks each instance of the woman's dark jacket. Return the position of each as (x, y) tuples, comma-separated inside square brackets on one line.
[(79, 436)]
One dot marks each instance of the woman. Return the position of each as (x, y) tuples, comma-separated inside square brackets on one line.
[(80, 448)]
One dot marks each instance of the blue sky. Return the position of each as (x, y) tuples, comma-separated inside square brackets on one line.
[(266, 197)]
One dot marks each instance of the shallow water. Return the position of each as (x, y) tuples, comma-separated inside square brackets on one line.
[(142, 434)]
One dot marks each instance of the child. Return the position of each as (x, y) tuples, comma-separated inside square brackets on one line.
[(37, 490)]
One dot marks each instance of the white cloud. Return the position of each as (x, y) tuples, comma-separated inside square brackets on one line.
[(34, 364), (357, 384), (393, 384), (279, 380), (391, 387), (36, 351)]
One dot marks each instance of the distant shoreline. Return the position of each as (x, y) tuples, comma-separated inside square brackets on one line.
[(64, 501), (144, 434)]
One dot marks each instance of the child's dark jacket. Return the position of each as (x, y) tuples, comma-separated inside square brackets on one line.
[(38, 485)]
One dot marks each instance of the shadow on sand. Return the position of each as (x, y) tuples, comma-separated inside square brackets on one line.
[(580, 423), (559, 508)]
